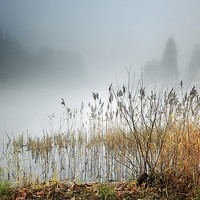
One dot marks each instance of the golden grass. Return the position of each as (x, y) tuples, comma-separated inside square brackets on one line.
[(139, 133)]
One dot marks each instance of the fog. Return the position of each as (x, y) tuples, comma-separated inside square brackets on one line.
[(68, 49)]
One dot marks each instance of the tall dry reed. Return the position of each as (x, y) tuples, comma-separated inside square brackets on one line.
[(134, 132)]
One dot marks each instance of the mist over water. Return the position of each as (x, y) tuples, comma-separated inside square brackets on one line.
[(50, 51)]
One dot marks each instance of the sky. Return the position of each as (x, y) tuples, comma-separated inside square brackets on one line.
[(100, 39)]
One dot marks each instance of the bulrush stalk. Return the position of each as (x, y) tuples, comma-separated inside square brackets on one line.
[(135, 132)]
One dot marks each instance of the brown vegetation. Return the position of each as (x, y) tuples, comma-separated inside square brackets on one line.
[(156, 134)]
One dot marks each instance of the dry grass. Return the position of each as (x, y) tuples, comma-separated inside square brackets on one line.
[(134, 133)]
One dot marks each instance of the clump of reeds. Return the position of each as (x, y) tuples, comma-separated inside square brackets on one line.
[(163, 134), (134, 133)]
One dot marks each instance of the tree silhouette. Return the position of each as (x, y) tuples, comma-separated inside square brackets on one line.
[(169, 61), (194, 64), (16, 64), (151, 72)]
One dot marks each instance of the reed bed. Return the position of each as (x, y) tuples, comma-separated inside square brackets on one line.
[(131, 134)]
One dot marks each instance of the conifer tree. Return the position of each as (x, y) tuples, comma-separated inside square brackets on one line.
[(194, 64), (152, 72), (169, 61)]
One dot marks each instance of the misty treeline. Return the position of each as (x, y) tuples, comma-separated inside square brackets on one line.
[(18, 64), (167, 69)]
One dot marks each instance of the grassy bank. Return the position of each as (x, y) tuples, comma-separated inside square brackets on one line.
[(95, 190)]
